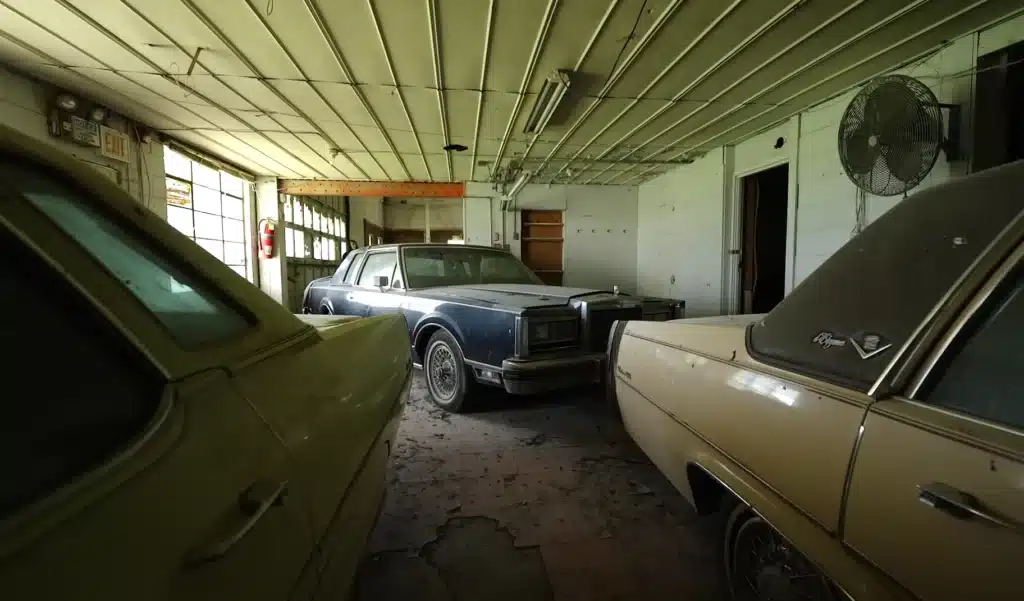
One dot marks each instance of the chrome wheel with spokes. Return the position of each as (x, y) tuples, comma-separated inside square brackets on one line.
[(448, 380), (442, 377), (763, 566)]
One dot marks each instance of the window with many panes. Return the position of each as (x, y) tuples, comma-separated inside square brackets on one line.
[(208, 205), (314, 230)]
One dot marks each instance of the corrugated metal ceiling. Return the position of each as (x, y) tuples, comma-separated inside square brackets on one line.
[(280, 83)]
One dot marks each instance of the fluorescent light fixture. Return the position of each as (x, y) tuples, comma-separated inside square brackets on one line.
[(551, 94), (516, 187)]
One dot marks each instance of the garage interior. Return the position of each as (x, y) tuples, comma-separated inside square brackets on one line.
[(690, 153)]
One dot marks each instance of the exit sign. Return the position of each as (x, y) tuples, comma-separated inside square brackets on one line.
[(114, 144)]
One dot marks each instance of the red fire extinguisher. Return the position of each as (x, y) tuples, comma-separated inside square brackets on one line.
[(267, 227)]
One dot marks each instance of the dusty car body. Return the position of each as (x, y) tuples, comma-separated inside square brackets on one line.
[(870, 428), (178, 434), (477, 316)]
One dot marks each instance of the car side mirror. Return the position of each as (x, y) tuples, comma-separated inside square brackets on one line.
[(380, 281)]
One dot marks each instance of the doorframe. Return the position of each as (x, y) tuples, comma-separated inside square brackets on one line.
[(734, 235)]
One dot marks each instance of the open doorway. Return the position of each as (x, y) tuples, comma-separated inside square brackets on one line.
[(762, 262)]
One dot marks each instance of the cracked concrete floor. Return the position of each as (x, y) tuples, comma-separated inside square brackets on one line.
[(540, 498)]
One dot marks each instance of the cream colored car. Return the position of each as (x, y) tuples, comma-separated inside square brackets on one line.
[(865, 438), (167, 430)]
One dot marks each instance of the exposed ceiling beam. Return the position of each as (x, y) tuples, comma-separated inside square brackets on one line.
[(583, 57), (435, 53), (244, 163), (817, 60), (483, 83), (224, 83), (398, 88), (328, 36), (74, 10), (295, 64), (650, 86), (750, 73), (538, 45), (320, 187), (725, 58), (274, 165), (963, 13), (216, 31), (614, 76)]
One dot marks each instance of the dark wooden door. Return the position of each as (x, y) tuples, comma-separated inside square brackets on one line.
[(542, 244)]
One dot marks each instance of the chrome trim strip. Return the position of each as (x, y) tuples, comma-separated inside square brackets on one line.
[(995, 280), (482, 365), (955, 435), (913, 340), (807, 382), (848, 480), (528, 365)]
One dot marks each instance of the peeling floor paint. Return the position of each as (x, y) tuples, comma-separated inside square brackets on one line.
[(531, 498)]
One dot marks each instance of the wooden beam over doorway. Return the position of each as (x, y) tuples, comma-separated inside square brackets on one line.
[(340, 187)]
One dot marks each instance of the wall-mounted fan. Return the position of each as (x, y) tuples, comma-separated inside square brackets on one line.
[(891, 135)]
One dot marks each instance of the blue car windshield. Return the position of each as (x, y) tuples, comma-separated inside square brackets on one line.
[(431, 266)]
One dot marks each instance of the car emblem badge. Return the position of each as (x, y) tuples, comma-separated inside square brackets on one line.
[(869, 345), (828, 340)]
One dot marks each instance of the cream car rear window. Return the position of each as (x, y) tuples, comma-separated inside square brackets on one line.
[(875, 290)]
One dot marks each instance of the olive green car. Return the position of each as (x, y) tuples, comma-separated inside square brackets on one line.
[(864, 439), (168, 430)]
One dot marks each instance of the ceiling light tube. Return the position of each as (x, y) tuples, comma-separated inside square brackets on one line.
[(551, 94), (516, 187)]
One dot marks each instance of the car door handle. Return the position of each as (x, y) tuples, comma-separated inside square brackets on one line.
[(253, 503), (959, 504)]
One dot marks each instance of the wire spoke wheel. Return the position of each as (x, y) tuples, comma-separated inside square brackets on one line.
[(765, 567), (442, 372)]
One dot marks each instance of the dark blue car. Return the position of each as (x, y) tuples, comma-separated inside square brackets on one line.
[(479, 316)]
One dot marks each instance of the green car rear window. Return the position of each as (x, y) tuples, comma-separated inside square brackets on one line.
[(194, 314)]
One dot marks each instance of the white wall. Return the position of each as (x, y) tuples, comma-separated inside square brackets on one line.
[(680, 223), (23, 107), (688, 217), (423, 214), (369, 208), (600, 228), (600, 237)]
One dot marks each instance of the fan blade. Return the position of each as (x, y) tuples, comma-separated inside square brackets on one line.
[(897, 107), (905, 161), (859, 153)]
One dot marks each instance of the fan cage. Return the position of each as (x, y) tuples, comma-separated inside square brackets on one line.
[(890, 135)]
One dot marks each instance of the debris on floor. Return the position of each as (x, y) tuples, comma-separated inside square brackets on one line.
[(531, 498)]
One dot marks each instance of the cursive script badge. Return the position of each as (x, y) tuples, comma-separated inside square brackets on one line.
[(828, 340)]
